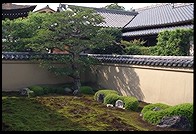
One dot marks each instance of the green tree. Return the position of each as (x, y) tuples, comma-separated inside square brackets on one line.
[(115, 6), (174, 43), (16, 33), (76, 28)]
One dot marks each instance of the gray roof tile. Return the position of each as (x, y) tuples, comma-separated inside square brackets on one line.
[(161, 15), (153, 30), (10, 6), (113, 18), (159, 61)]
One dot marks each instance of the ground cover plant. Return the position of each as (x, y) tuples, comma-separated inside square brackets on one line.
[(154, 117), (54, 112)]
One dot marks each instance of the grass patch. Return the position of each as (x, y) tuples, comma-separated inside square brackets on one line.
[(67, 113)]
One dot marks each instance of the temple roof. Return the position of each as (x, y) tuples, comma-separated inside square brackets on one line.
[(13, 11), (10, 6), (153, 31), (162, 15), (112, 17), (45, 10)]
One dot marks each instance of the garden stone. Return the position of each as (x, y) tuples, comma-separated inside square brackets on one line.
[(179, 122), (109, 105), (119, 104), (100, 98), (68, 90), (156, 109), (24, 91), (75, 92)]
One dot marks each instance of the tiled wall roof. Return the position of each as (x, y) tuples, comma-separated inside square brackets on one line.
[(159, 61), (27, 55), (161, 15)]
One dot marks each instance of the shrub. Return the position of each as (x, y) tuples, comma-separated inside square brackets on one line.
[(105, 92), (38, 90), (154, 117), (111, 49), (60, 90), (150, 107), (86, 90), (111, 98), (46, 91), (185, 109), (51, 89), (131, 103), (174, 43)]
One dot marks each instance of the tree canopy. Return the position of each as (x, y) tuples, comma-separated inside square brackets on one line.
[(76, 28), (115, 6)]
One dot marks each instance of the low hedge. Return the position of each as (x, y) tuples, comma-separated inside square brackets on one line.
[(105, 92), (111, 98), (51, 89), (154, 117), (38, 90), (86, 90), (60, 90), (131, 103)]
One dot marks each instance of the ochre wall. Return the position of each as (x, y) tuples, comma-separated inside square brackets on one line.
[(149, 84), (19, 74)]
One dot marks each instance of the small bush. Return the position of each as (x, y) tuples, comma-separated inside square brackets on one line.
[(38, 90), (51, 89), (150, 107), (105, 92), (111, 98), (46, 91), (154, 117), (86, 90), (60, 90), (131, 103)]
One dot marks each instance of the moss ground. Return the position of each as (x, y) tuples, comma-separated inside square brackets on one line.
[(68, 113)]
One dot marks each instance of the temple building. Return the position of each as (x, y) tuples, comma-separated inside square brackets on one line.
[(150, 21), (13, 11), (46, 9)]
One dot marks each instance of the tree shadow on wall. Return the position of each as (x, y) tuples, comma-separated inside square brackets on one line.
[(123, 79)]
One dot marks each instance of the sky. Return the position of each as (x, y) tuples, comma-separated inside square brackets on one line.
[(54, 6)]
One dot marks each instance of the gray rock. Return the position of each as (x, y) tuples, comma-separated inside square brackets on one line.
[(24, 91), (156, 109), (119, 104), (100, 98), (75, 92), (179, 122), (68, 90)]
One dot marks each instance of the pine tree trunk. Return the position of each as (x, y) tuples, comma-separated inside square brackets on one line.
[(76, 76), (77, 85)]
